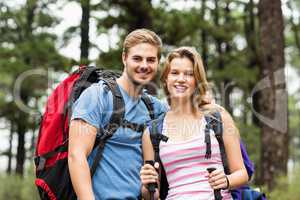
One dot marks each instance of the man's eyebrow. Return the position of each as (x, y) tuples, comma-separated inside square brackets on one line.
[(152, 57)]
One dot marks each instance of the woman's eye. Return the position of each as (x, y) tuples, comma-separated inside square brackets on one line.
[(190, 74)]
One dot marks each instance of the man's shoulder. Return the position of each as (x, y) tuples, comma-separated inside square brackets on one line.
[(98, 89), (154, 99), (159, 106)]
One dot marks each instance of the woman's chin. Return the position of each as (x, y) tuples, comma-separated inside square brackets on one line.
[(180, 96)]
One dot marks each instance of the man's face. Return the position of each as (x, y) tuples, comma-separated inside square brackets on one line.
[(141, 63)]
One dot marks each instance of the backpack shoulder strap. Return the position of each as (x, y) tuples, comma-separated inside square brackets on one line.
[(113, 124), (147, 101), (155, 130), (214, 121)]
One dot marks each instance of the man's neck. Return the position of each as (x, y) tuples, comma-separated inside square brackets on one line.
[(127, 85)]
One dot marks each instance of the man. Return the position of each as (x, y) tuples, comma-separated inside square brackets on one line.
[(117, 174)]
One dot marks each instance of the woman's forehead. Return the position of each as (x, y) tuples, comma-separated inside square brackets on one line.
[(181, 64)]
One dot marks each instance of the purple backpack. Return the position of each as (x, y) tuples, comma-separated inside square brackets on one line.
[(214, 122)]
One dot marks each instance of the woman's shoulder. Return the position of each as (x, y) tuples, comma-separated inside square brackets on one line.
[(213, 108)]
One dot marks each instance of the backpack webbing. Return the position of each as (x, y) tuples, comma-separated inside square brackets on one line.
[(214, 122), (117, 120)]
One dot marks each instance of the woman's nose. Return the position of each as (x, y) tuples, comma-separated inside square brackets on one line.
[(181, 78)]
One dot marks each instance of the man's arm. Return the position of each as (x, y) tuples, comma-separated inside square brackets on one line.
[(81, 141)]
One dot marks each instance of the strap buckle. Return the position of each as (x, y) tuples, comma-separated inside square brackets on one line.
[(104, 133), (40, 162)]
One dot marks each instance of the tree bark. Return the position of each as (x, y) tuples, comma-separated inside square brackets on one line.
[(204, 37), (273, 97), (22, 118), (251, 36), (9, 151), (84, 26), (21, 149), (225, 86)]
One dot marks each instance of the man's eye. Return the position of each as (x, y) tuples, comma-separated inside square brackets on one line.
[(137, 59), (152, 60)]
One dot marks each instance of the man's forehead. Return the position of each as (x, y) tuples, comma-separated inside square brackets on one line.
[(143, 50)]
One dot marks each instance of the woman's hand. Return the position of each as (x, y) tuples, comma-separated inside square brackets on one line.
[(148, 175), (218, 179)]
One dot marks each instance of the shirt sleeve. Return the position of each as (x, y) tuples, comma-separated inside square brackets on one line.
[(159, 106), (90, 106)]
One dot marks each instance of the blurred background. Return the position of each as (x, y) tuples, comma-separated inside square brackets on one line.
[(250, 49)]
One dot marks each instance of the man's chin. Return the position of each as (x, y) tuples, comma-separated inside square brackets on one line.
[(140, 83)]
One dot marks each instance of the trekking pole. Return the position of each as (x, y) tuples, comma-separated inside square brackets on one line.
[(151, 186), (217, 192)]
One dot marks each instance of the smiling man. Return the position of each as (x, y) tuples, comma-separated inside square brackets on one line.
[(117, 174)]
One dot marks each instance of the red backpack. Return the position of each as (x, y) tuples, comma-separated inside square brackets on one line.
[(51, 156)]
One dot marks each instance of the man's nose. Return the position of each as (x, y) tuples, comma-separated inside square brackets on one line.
[(144, 65)]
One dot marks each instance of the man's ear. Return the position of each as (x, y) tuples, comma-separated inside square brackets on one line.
[(124, 57)]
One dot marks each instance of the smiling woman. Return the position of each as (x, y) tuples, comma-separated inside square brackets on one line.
[(191, 158), (184, 69)]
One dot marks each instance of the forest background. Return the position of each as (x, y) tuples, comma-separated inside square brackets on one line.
[(250, 49)]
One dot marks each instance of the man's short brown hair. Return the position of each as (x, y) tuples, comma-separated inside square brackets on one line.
[(142, 36)]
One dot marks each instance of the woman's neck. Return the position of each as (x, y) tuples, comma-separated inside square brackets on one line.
[(182, 107)]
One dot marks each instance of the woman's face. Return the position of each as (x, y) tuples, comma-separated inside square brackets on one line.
[(181, 82)]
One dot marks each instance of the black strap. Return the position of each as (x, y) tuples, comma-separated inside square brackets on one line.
[(88, 76), (134, 126), (156, 136), (113, 124), (207, 137), (117, 120), (40, 161), (147, 101), (217, 126)]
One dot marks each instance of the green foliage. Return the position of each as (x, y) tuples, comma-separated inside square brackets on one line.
[(250, 135), (287, 189), (14, 187), (294, 127)]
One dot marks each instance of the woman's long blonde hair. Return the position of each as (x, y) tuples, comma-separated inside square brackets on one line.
[(198, 70)]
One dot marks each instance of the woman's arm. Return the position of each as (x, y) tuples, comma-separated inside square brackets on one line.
[(148, 173), (238, 174)]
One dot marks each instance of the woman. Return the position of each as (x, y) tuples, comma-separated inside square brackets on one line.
[(183, 156)]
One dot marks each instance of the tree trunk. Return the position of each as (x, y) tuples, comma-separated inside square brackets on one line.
[(273, 95), (227, 82), (251, 38), (22, 118), (204, 37), (9, 151), (84, 26), (225, 86), (21, 129)]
